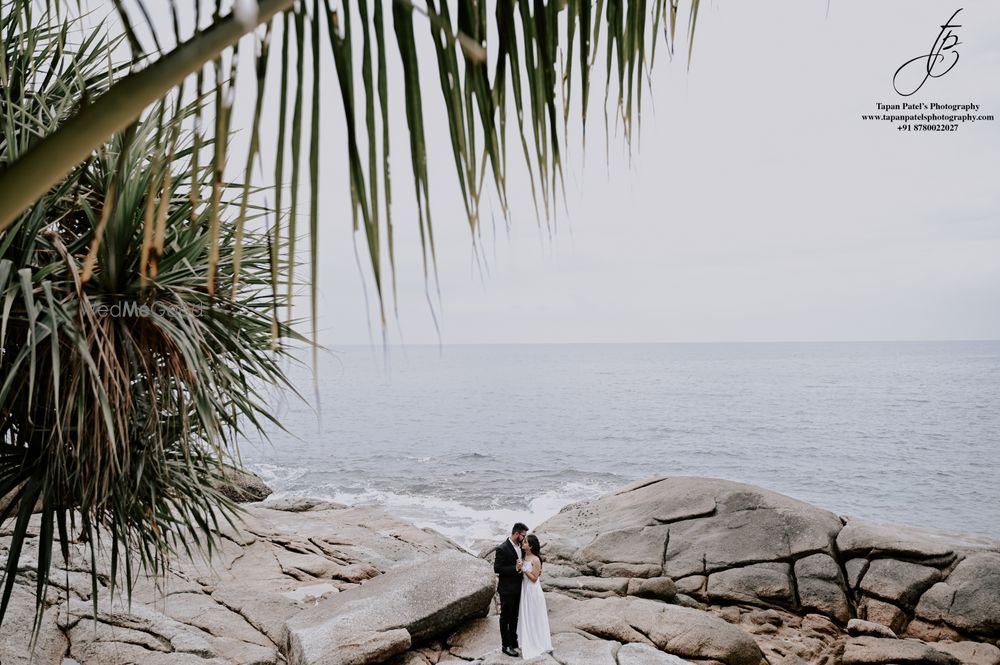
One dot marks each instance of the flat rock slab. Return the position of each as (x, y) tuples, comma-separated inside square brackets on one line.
[(681, 631), (499, 658), (386, 615), (640, 654), (877, 651), (16, 630), (971, 653), (572, 649), (898, 582), (476, 638), (615, 585), (122, 634), (868, 538)]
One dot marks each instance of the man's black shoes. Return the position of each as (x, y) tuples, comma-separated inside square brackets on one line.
[(513, 652)]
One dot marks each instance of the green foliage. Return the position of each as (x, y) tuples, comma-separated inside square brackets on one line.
[(118, 424), (125, 383)]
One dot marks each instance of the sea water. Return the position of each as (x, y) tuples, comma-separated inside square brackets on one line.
[(469, 439)]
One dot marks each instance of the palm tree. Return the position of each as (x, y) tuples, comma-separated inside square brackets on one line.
[(126, 383), (112, 193)]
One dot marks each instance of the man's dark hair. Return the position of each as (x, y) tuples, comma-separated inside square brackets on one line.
[(518, 527)]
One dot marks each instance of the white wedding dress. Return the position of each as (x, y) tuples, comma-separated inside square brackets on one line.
[(533, 618)]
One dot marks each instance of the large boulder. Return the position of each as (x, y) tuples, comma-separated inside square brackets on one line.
[(689, 526), (386, 615), (969, 599), (729, 543), (681, 527), (242, 486)]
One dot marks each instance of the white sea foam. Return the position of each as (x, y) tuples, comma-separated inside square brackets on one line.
[(468, 526)]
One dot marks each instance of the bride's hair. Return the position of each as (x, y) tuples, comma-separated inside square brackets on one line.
[(536, 547)]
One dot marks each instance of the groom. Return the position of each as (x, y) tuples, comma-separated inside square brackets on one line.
[(507, 565)]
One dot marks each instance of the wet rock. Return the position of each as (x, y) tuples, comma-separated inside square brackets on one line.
[(242, 486), (301, 504)]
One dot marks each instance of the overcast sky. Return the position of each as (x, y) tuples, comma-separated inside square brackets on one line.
[(757, 205)]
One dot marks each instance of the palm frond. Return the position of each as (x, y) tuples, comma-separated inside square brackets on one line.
[(537, 43), (125, 382)]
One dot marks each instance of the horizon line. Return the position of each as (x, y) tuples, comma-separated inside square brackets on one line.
[(373, 344)]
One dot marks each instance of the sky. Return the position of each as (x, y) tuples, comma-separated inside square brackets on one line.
[(756, 205)]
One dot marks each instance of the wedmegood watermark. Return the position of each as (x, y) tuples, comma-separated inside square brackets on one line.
[(130, 309)]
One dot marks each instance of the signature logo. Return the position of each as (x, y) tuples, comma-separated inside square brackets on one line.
[(942, 59)]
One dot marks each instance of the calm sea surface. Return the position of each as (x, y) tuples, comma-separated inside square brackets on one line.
[(468, 439)]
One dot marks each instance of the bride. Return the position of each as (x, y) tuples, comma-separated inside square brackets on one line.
[(533, 618)]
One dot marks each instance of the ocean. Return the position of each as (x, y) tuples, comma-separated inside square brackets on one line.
[(469, 439)]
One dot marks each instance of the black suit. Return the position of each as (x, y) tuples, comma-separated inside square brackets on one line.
[(509, 588)]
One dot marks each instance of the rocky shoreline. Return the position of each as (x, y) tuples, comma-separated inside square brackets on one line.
[(665, 571)]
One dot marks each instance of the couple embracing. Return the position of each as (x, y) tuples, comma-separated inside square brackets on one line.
[(524, 620)]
